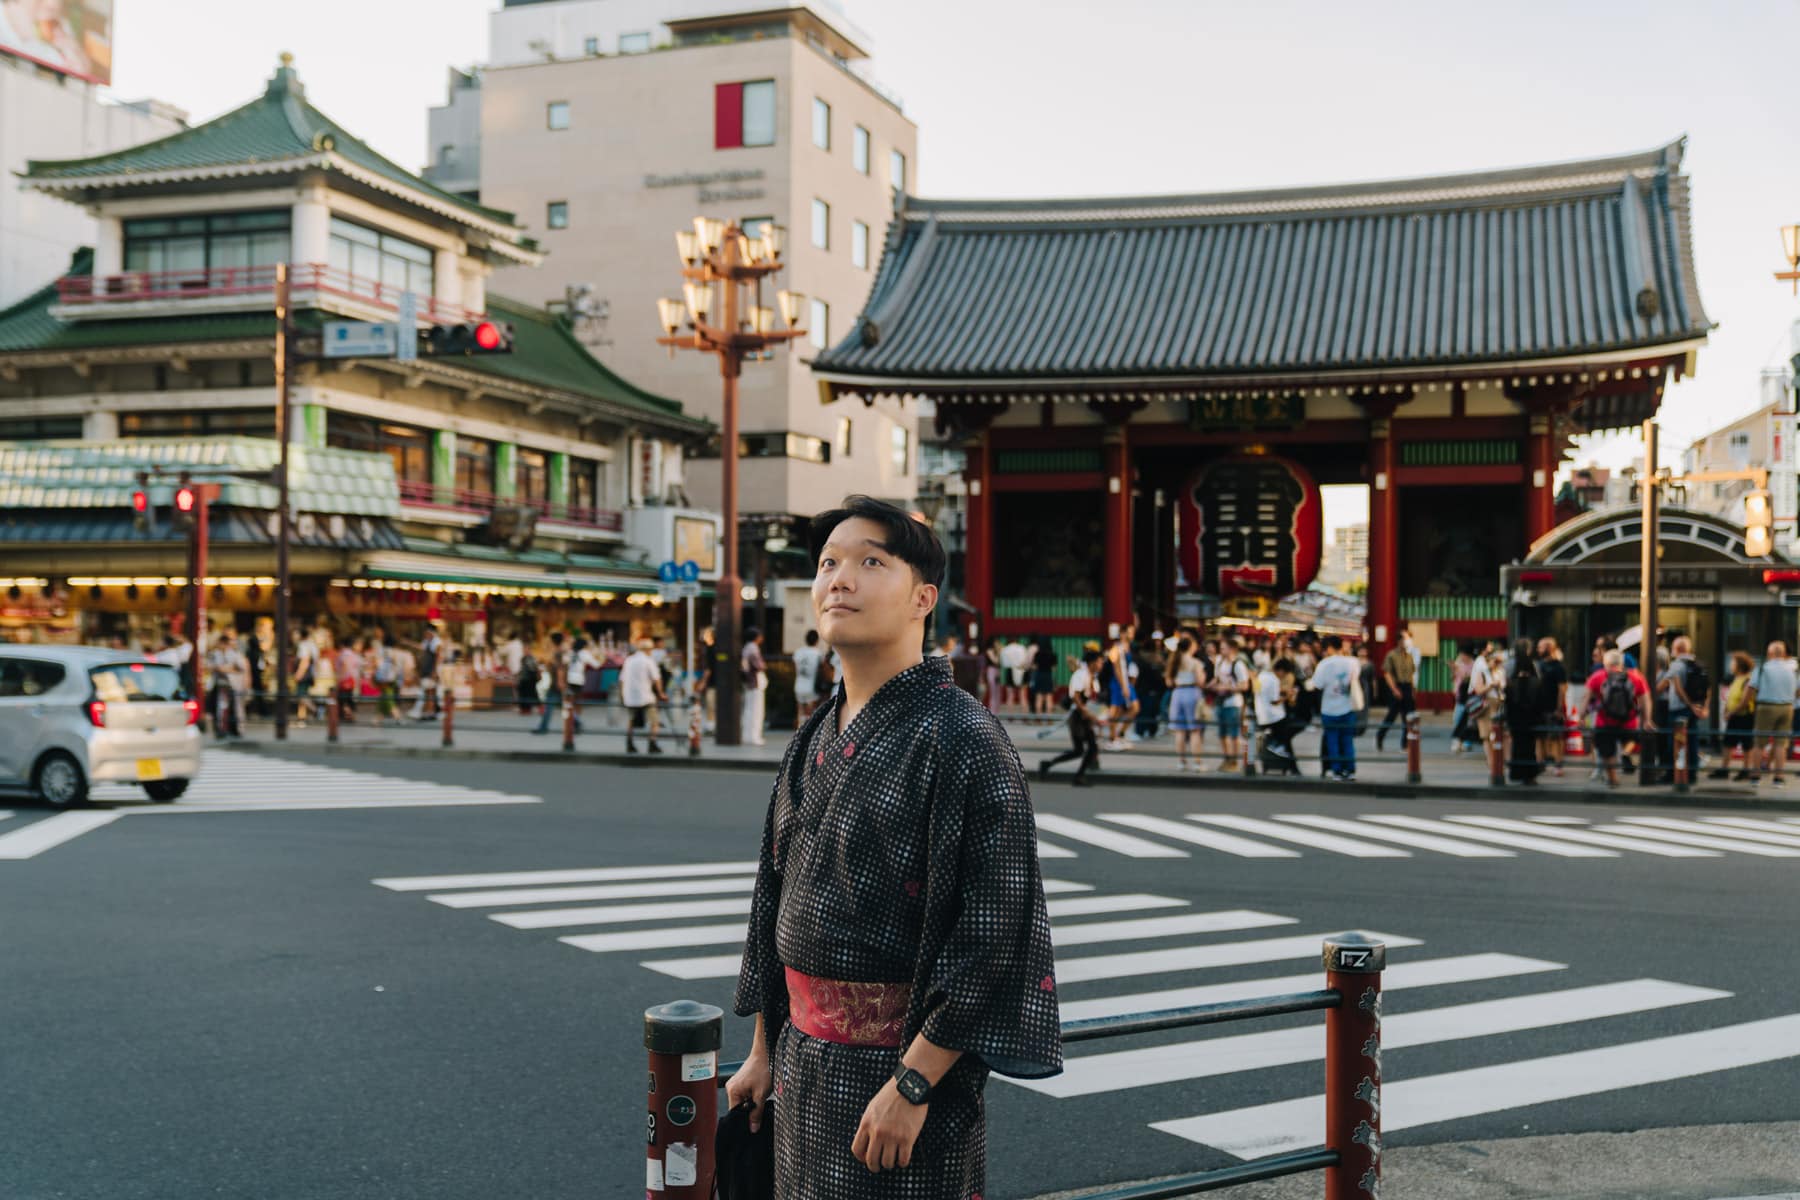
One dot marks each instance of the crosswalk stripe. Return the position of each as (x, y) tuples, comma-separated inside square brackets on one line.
[(1709, 844), (1053, 887), (655, 939), (439, 883), (617, 914), (1211, 838), (1145, 1066), (1519, 840), (1753, 823), (1090, 932), (1422, 841), (1191, 958), (39, 836), (711, 966), (1321, 841), (217, 806), (1078, 906), (605, 891), (1297, 1124), (1602, 836), (1046, 850), (1431, 972), (1562, 820), (1106, 839), (1761, 837)]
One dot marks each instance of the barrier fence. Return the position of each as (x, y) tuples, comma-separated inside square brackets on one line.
[(683, 1039)]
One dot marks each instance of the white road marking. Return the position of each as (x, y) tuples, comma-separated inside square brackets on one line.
[(438, 883), (1603, 837), (1148, 1065), (1421, 841), (1712, 828), (656, 939), (1753, 823), (1540, 843), (605, 891), (213, 806), (1090, 932), (1046, 850), (1321, 841), (615, 914), (1464, 968), (1193, 958), (1077, 906), (1562, 820), (1054, 887), (1106, 839), (237, 782), (1297, 1124), (1708, 843), (712, 966), (39, 836), (1211, 838)]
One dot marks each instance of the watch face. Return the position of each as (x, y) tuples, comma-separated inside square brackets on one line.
[(913, 1086)]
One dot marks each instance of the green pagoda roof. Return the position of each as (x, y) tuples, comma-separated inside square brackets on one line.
[(277, 131)]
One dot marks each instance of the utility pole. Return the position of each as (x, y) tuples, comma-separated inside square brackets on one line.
[(1649, 545), (284, 330)]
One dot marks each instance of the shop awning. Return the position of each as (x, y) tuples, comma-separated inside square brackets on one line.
[(452, 573)]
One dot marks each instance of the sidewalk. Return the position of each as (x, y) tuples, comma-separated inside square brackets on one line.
[(506, 735)]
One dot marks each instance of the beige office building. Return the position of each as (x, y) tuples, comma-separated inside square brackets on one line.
[(753, 116)]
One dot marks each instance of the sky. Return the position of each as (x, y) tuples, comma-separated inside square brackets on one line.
[(1071, 97)]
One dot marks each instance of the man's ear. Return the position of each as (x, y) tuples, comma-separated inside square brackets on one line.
[(924, 600)]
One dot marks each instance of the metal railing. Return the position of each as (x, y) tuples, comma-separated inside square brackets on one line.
[(422, 493), (307, 283)]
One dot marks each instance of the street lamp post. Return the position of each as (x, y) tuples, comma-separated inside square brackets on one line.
[(723, 269)]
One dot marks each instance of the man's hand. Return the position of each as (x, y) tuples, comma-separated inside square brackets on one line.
[(751, 1083), (890, 1126)]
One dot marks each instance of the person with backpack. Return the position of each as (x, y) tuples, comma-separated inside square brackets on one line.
[(1553, 687), (1523, 700), (1619, 700), (1771, 691), (1688, 691)]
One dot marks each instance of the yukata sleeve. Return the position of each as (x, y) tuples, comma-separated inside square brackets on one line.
[(762, 986), (988, 971)]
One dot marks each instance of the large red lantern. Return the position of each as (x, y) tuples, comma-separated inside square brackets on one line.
[(1251, 525)]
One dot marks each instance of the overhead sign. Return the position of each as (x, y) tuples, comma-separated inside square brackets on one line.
[(71, 36), (361, 339), (1251, 525)]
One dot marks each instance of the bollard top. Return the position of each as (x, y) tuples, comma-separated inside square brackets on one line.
[(1356, 953), (684, 1027)]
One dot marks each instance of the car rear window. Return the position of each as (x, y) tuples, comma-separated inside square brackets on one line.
[(122, 683), (28, 676)]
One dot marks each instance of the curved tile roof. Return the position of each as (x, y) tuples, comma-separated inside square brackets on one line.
[(1506, 266)]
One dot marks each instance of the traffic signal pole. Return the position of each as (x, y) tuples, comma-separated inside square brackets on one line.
[(283, 580), (1651, 490)]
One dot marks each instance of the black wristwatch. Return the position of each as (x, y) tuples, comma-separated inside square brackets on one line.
[(912, 1085)]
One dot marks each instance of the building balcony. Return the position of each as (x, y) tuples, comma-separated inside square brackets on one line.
[(180, 293), (460, 506)]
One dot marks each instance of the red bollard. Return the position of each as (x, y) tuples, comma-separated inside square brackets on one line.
[(683, 1039), (1247, 736), (449, 707), (694, 728), (332, 716), (1353, 966), (1496, 752), (1414, 768), (1681, 756), (568, 721)]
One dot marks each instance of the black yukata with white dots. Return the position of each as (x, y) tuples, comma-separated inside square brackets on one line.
[(903, 850)]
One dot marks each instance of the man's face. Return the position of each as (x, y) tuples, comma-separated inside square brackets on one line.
[(862, 593)]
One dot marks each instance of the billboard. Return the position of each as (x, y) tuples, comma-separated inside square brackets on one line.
[(71, 36)]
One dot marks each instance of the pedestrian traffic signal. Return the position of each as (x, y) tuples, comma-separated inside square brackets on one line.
[(1759, 521), (474, 337), (140, 510), (187, 498)]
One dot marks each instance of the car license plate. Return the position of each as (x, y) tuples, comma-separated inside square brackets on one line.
[(149, 768)]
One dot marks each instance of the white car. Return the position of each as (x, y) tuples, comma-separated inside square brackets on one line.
[(73, 716)]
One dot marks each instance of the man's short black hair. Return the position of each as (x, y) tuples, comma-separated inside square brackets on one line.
[(812, 637), (907, 539), (1332, 641)]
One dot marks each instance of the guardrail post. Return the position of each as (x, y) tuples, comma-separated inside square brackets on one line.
[(333, 703), (1496, 752), (695, 708), (1353, 965), (449, 707), (1681, 756), (1414, 768), (1247, 729), (568, 708), (683, 1039)]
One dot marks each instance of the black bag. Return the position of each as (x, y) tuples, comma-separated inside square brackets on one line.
[(1695, 682), (1523, 704), (744, 1162), (1618, 699)]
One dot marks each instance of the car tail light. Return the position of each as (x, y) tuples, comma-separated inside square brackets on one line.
[(96, 712), (193, 711)]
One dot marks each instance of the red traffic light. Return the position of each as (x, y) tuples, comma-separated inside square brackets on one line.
[(184, 499), (487, 336), (140, 502)]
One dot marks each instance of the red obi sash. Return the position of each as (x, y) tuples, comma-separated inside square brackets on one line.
[(849, 1013)]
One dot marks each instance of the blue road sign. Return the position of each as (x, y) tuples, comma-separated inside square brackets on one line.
[(690, 571), (669, 572)]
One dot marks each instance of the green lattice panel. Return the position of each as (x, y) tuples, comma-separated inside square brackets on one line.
[(1035, 462), (1477, 453)]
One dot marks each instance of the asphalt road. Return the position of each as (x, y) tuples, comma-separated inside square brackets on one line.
[(222, 1002)]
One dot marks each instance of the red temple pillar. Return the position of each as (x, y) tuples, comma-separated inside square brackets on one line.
[(1384, 537), (1116, 467), (1540, 481), (978, 553)]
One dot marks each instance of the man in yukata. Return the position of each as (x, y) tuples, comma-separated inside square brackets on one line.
[(898, 949)]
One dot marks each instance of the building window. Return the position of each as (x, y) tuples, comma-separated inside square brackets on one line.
[(901, 443), (633, 43), (818, 330), (859, 245), (591, 46), (556, 114), (249, 422), (248, 239), (859, 150), (446, 154), (556, 214), (474, 465), (1740, 450), (382, 258), (897, 171), (587, 483), (821, 124), (39, 429), (531, 478), (408, 445), (744, 114), (843, 438), (821, 225), (782, 444)]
